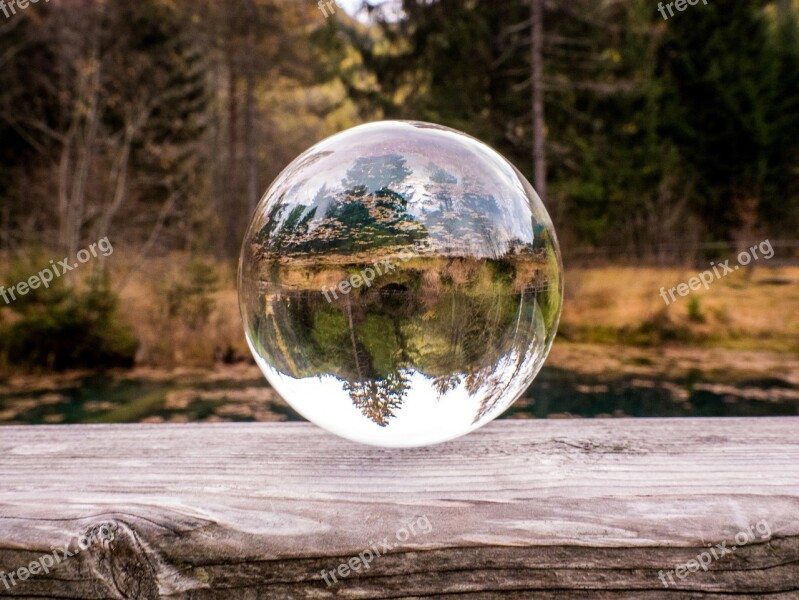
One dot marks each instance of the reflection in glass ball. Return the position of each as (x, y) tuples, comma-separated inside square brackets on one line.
[(400, 284)]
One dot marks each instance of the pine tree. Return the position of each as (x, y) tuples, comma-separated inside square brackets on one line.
[(719, 90)]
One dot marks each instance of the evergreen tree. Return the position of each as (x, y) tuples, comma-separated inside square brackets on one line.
[(719, 94)]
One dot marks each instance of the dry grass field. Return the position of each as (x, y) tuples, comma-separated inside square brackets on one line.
[(184, 312), (757, 311)]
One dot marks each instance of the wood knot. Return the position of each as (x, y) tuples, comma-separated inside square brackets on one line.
[(97, 536), (121, 562), (126, 567)]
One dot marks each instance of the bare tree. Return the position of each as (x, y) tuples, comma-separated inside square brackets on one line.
[(537, 93)]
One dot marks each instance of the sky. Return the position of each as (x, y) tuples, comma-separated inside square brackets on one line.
[(353, 6)]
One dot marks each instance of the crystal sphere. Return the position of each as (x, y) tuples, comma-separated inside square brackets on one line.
[(400, 284)]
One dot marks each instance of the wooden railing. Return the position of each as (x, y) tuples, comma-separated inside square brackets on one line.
[(520, 509)]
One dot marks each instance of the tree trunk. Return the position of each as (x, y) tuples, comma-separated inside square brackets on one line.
[(232, 188), (537, 64), (250, 140)]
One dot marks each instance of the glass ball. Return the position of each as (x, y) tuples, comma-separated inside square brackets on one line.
[(400, 284)]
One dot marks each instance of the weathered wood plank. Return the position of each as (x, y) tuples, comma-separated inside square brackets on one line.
[(519, 509)]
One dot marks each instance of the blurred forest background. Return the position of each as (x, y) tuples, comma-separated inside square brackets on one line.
[(658, 145)]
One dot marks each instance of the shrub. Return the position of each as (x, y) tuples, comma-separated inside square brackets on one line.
[(62, 327), (190, 298), (695, 313)]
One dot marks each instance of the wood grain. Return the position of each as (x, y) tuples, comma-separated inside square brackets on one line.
[(519, 509)]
